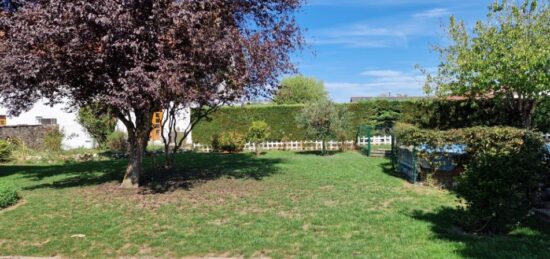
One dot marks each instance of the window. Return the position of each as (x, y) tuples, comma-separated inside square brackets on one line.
[(3, 120), (46, 121)]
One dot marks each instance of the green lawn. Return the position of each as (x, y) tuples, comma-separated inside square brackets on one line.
[(281, 205)]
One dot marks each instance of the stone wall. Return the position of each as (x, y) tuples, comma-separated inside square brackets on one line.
[(32, 135)]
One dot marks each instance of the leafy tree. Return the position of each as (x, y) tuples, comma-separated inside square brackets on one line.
[(300, 89), (257, 133), (386, 119), (506, 58), (136, 57), (324, 120), (99, 124)]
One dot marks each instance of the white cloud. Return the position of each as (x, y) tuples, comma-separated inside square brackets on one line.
[(433, 13), (382, 73), (380, 33), (369, 2), (360, 36), (379, 82)]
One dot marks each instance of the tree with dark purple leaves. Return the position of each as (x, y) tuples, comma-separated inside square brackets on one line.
[(137, 57)]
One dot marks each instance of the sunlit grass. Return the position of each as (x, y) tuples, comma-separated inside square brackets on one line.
[(281, 205)]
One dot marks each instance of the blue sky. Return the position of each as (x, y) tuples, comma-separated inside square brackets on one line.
[(369, 48)]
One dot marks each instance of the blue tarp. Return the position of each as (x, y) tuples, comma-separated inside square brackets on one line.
[(455, 149)]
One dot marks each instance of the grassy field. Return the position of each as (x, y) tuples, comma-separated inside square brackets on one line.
[(280, 205)]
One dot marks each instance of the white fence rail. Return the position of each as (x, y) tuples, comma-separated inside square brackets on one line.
[(305, 145), (547, 137)]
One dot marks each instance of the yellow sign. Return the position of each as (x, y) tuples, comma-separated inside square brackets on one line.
[(157, 126)]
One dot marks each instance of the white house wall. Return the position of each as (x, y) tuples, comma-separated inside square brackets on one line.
[(182, 123), (75, 135)]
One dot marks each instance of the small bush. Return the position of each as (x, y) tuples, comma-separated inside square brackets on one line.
[(97, 121), (117, 142), (8, 195), (257, 133), (5, 151), (53, 141), (229, 142)]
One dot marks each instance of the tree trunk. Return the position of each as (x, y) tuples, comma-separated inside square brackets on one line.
[(170, 159), (136, 148), (528, 114), (257, 148), (138, 138)]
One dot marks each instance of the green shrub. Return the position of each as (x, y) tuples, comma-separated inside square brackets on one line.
[(117, 142), (53, 141), (98, 122), (8, 195), (258, 132), (503, 167), (5, 151), (229, 142)]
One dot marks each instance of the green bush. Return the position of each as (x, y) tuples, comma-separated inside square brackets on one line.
[(98, 122), (5, 151), (229, 142), (53, 141), (8, 195), (117, 142), (258, 132), (503, 167)]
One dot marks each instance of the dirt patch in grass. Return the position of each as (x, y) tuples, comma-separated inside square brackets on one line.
[(19, 203), (214, 192)]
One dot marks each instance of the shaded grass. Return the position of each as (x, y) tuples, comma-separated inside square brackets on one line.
[(280, 205)]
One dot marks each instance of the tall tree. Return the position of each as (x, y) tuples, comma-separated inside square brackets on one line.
[(506, 58), (300, 89), (138, 56)]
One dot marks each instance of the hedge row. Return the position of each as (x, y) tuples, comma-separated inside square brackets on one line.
[(503, 167), (426, 113), (281, 120)]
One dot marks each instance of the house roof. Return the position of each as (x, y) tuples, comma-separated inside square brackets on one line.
[(357, 99)]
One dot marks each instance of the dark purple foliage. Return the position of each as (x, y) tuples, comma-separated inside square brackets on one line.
[(135, 56)]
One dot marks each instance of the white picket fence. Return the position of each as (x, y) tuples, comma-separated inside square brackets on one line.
[(304, 145), (375, 140)]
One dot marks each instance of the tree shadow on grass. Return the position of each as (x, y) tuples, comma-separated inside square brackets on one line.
[(195, 168), (531, 240), (190, 168), (67, 175), (388, 169), (318, 153)]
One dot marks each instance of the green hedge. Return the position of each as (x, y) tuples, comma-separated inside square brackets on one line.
[(280, 118), (503, 167), (423, 113)]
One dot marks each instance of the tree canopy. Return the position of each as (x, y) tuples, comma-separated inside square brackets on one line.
[(136, 56), (324, 120), (300, 89), (506, 58)]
